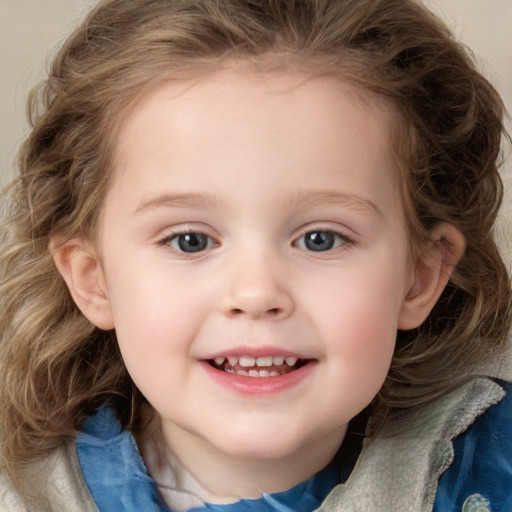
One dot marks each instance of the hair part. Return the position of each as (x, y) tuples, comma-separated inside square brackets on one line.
[(56, 367)]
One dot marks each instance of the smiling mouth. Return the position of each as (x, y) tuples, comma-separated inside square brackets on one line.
[(267, 366)]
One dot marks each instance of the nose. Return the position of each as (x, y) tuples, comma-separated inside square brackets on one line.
[(256, 288)]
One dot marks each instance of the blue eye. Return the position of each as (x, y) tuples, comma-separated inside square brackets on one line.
[(320, 241), (190, 242)]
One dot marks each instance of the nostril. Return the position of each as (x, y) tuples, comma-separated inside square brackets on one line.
[(270, 312)]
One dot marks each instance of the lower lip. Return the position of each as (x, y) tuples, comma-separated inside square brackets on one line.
[(259, 385)]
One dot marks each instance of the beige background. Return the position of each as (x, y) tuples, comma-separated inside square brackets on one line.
[(31, 29)]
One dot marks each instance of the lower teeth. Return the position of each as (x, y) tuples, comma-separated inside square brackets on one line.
[(254, 373)]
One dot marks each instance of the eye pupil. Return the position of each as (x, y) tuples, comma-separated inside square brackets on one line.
[(319, 240), (192, 242)]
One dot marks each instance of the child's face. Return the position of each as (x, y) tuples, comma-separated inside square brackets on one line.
[(255, 218)]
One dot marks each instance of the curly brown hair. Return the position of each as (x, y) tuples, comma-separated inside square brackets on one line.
[(56, 367)]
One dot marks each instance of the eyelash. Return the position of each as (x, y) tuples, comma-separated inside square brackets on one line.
[(204, 242), (203, 238), (343, 240)]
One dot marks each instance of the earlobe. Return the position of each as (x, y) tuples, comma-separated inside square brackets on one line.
[(432, 270), (78, 263)]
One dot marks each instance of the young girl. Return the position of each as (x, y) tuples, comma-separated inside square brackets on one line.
[(248, 264)]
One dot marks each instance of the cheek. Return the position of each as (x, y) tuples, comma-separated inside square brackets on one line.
[(359, 352), (364, 306), (363, 345), (144, 312), (157, 314), (359, 326), (154, 338)]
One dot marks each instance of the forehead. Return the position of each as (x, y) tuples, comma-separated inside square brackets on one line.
[(234, 123), (237, 94)]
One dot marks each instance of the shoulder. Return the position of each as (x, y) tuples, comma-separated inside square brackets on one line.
[(10, 500), (403, 466), (56, 485), (480, 476)]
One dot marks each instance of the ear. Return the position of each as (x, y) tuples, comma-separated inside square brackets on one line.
[(432, 270), (78, 263)]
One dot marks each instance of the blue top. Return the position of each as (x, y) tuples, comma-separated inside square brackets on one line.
[(479, 479)]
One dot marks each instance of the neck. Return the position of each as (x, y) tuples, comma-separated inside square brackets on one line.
[(177, 457)]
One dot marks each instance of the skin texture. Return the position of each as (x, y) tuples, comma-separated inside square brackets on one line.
[(260, 165)]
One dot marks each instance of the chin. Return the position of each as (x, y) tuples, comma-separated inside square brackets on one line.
[(261, 444)]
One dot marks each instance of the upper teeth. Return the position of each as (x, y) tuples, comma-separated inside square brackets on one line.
[(247, 361)]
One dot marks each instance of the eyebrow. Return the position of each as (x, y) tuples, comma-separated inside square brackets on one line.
[(188, 200), (296, 201), (330, 198)]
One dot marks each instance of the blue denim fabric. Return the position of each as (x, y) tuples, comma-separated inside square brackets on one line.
[(480, 477), (113, 468)]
